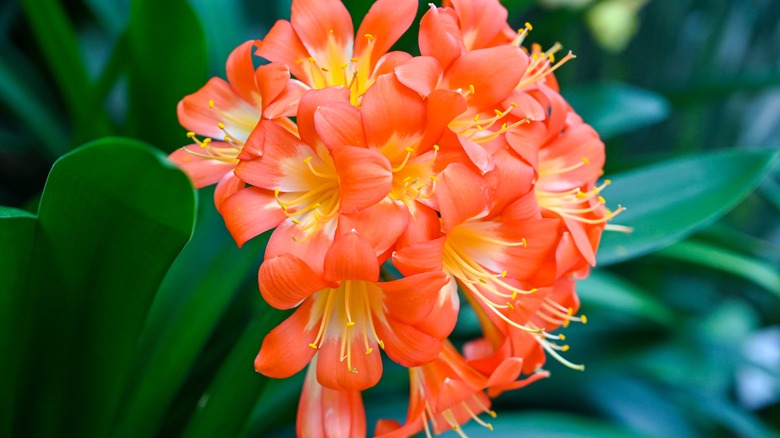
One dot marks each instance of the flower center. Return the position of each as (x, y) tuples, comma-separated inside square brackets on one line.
[(346, 313)]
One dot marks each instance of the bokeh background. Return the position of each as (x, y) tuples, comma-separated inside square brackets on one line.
[(683, 338)]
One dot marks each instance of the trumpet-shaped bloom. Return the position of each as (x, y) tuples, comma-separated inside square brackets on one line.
[(229, 112), (345, 316), (320, 47), (327, 412)]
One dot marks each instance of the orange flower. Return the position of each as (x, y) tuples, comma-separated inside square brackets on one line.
[(229, 112), (320, 48), (327, 412), (345, 315)]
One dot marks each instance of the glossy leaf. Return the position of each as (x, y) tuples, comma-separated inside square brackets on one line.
[(613, 108), (17, 233), (668, 201), (167, 55), (113, 216), (619, 297), (191, 300), (548, 425)]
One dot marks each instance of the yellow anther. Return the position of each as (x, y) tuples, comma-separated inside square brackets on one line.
[(436, 147), (498, 112), (562, 337), (479, 127), (503, 126), (503, 274), (535, 47), (369, 36), (489, 426), (409, 149), (584, 319), (190, 134), (369, 350), (205, 143), (602, 200), (211, 103), (314, 346), (350, 323), (513, 104), (525, 242), (220, 125), (533, 290), (492, 413), (528, 26), (514, 294), (307, 160), (570, 311), (325, 69), (585, 160), (434, 178), (419, 187), (381, 344), (508, 304), (471, 88), (476, 118), (407, 179), (607, 181), (552, 58), (312, 59), (344, 66), (296, 221), (276, 192), (565, 348), (355, 59), (483, 281)]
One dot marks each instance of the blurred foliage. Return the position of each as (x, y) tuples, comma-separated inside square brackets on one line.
[(102, 333)]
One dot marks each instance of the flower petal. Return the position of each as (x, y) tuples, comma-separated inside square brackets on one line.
[(405, 344), (483, 23), (202, 171), (365, 177), (229, 185), (271, 80), (286, 103), (285, 349), (381, 224), (339, 124), (215, 103), (424, 256), (241, 73), (282, 45), (440, 35), (307, 107), (392, 111), (421, 73), (444, 313), (288, 238), (408, 300), (250, 212), (386, 21), (282, 165), (512, 179), (493, 73), (333, 372), (318, 21), (462, 194), (328, 412), (286, 280), (351, 257)]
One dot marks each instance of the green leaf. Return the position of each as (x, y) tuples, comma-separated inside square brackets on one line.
[(613, 108), (17, 234), (113, 216), (668, 201), (711, 256), (193, 297), (548, 425), (226, 407), (167, 56), (602, 289)]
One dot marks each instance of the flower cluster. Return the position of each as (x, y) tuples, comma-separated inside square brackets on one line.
[(396, 186)]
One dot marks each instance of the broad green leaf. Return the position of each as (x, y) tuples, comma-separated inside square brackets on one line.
[(613, 108), (711, 256), (668, 201), (191, 300), (227, 405), (17, 234), (113, 216), (167, 56), (548, 425), (602, 289)]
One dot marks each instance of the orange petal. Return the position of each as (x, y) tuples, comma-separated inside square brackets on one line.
[(440, 35), (493, 73), (282, 165), (478, 155), (381, 224), (410, 299), (307, 107), (282, 45), (484, 22), (328, 412), (391, 110), (286, 280), (386, 21), (317, 21), (339, 124), (405, 344), (271, 80), (512, 178), (333, 372), (227, 187), (365, 177), (421, 73), (241, 73), (526, 139), (250, 212), (351, 257), (443, 106), (286, 103), (201, 171), (285, 349), (288, 238), (421, 257), (197, 113), (444, 314), (423, 225), (462, 194)]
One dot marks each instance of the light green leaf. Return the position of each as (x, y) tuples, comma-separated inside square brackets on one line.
[(670, 200), (113, 216), (613, 108)]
